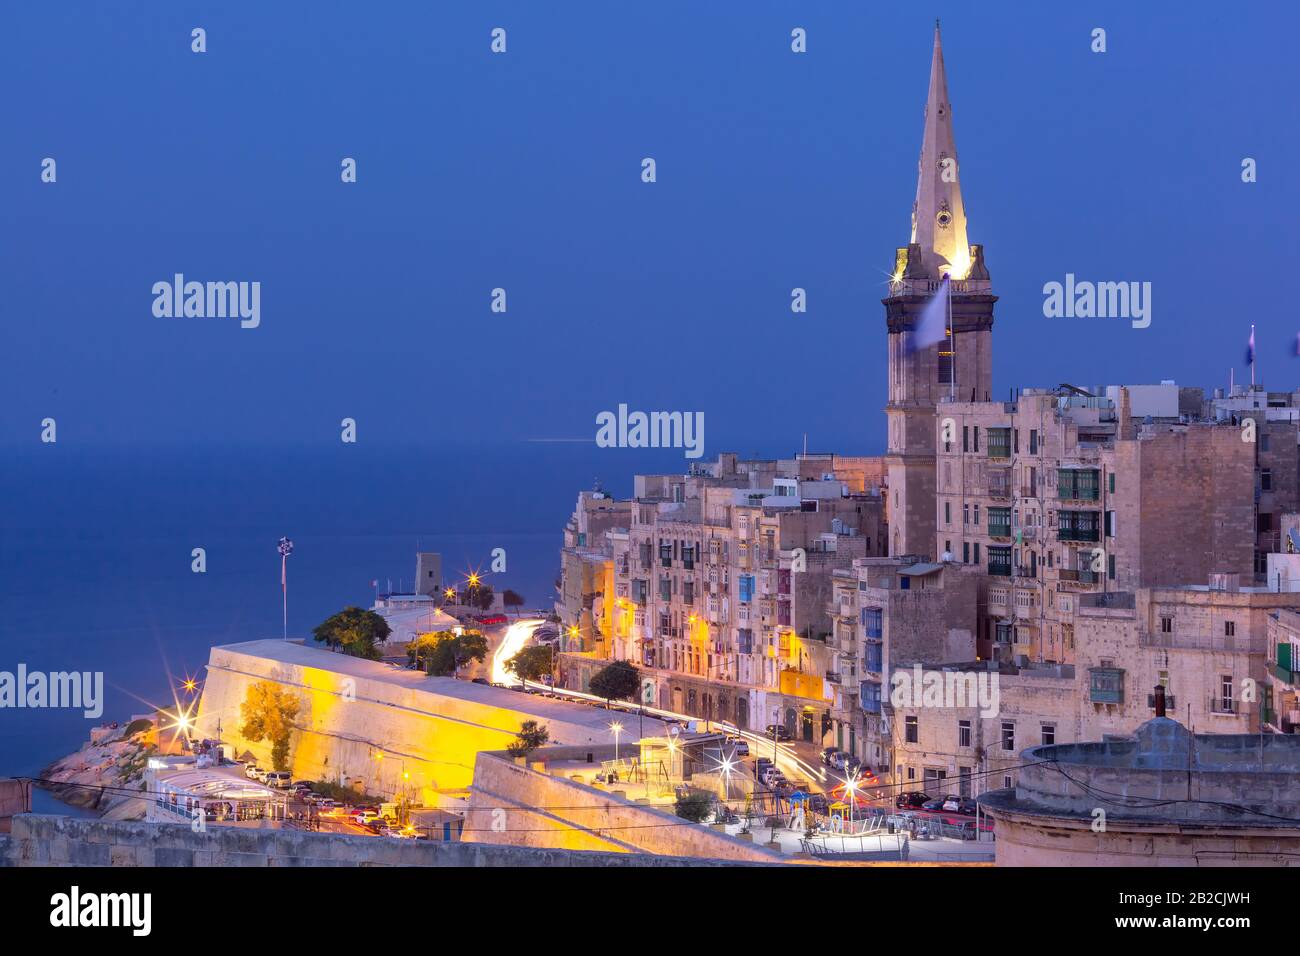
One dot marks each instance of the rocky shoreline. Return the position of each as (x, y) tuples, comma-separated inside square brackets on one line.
[(106, 772)]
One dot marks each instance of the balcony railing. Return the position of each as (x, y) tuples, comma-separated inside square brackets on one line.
[(1224, 705), (1000, 570), (999, 530), (1286, 675), (1078, 534)]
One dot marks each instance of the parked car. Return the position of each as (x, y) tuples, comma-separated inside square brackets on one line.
[(951, 804), (479, 680), (250, 771), (965, 806), (778, 732), (279, 779), (830, 755), (911, 799), (818, 803), (260, 775), (740, 748), (933, 806)]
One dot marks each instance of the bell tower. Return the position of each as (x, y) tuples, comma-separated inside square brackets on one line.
[(923, 377)]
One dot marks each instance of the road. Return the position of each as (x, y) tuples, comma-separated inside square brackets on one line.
[(788, 757)]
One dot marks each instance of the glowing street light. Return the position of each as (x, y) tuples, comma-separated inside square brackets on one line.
[(617, 729)]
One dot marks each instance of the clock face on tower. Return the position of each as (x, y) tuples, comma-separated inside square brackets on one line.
[(943, 218)]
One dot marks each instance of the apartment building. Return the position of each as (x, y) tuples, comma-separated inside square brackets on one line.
[(1280, 712), (1064, 493), (1272, 420), (963, 747), (721, 584), (585, 602), (887, 612), (1208, 647)]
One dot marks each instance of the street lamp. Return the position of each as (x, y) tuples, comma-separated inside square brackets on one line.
[(617, 729), (286, 549)]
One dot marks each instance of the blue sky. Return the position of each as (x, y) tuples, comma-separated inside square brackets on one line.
[(521, 170)]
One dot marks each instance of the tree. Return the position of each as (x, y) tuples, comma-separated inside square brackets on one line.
[(531, 736), (480, 596), (353, 631), (532, 663), (694, 805), (616, 681), (269, 712), (512, 599), (444, 653)]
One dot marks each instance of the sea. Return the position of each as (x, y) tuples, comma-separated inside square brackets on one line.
[(97, 543)]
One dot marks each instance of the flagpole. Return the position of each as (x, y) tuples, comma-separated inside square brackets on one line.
[(1252, 357), (952, 349)]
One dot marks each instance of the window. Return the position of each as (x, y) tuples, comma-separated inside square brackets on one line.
[(911, 773), (999, 443), (977, 552), (1006, 782), (975, 436), (1110, 566), (1078, 526), (911, 729), (999, 522), (965, 438), (1049, 734), (947, 512), (1000, 561), (872, 621), (1033, 441), (1166, 625), (1229, 628), (1265, 479), (746, 582), (1077, 484), (1112, 482), (1225, 693), (963, 733), (1263, 441), (1008, 735), (964, 776), (965, 552), (965, 514)]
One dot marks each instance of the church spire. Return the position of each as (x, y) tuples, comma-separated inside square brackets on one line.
[(938, 216)]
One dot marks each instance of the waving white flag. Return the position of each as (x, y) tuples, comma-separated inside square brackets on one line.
[(932, 327)]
